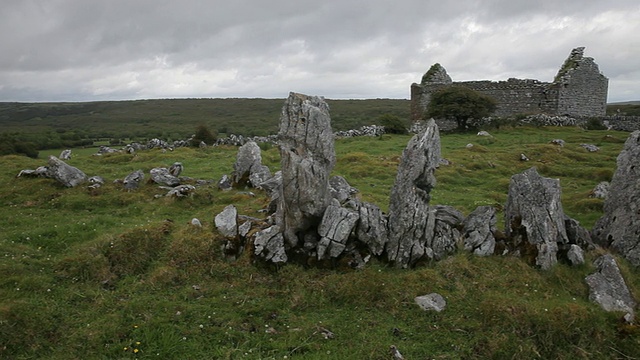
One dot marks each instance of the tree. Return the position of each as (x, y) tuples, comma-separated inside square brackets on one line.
[(204, 134), (461, 104), (392, 124)]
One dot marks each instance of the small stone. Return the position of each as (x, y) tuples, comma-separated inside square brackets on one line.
[(575, 255), (433, 301)]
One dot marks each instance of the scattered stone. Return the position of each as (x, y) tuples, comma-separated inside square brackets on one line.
[(523, 157), (620, 225), (269, 244), (373, 227), (249, 155), (444, 162), (225, 183), (181, 191), (163, 176), (411, 220), (577, 234), (558, 142), (483, 133), (176, 169), (41, 171), (600, 191), (607, 287), (433, 301), (534, 216), (395, 353), (96, 180), (259, 174), (335, 228), (67, 175), (133, 180), (65, 154), (469, 146), (575, 255), (590, 147), (341, 190), (307, 158), (227, 222), (478, 230), (446, 232), (195, 222), (244, 229)]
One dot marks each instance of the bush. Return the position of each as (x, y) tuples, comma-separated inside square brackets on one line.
[(392, 124), (203, 134), (594, 124)]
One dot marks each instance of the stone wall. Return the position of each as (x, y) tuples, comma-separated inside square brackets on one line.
[(579, 90)]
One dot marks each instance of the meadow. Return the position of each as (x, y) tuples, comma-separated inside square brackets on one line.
[(111, 274)]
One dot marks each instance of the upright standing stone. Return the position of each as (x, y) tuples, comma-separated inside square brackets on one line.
[(479, 228), (534, 215), (619, 228), (411, 220), (249, 156), (67, 175), (307, 158)]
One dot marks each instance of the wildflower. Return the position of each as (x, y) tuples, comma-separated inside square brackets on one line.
[(135, 326), (125, 348), (137, 342), (136, 351)]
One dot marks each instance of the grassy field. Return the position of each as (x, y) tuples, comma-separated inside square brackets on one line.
[(110, 274)]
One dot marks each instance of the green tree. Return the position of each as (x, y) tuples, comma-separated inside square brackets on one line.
[(392, 124), (461, 104), (204, 134)]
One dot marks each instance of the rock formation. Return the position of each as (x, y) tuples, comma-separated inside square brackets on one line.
[(478, 229), (619, 228), (411, 219), (163, 176), (133, 180), (67, 175), (534, 216), (249, 156), (608, 288), (335, 229)]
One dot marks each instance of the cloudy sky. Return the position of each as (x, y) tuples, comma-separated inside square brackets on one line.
[(83, 50)]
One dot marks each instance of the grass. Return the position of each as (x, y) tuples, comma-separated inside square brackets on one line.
[(110, 274)]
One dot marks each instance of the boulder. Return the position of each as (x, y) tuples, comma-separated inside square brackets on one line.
[(258, 174), (534, 217), (575, 255), (67, 175), (478, 230), (411, 220), (225, 183), (133, 180), (176, 169), (558, 142), (446, 232), (307, 158), (227, 222), (335, 228), (41, 171), (590, 147), (181, 191), (269, 245), (249, 155), (578, 235), (433, 301), (65, 154), (601, 190), (373, 227), (162, 176), (341, 190), (607, 287), (619, 227)]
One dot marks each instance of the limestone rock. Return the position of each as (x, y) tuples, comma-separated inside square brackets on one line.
[(590, 147), (96, 180), (483, 133), (619, 228), (341, 190), (433, 301), (523, 157), (224, 183), (534, 215), (133, 180), (307, 158), (558, 142), (249, 155), (575, 255), (162, 176), (411, 220), (176, 169), (373, 227), (601, 190), (67, 175), (335, 228), (578, 235), (446, 232), (196, 222), (269, 244), (273, 188), (227, 222), (607, 287), (258, 174), (181, 191), (479, 228), (41, 171), (65, 154)]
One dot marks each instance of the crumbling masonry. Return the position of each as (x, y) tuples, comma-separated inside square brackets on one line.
[(578, 90)]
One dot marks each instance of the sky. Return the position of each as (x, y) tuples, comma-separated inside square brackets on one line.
[(86, 50)]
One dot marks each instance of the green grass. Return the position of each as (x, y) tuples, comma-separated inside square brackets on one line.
[(99, 274)]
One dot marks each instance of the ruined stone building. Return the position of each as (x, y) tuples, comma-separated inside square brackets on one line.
[(578, 90)]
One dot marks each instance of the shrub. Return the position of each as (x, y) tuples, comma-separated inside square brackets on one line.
[(392, 124)]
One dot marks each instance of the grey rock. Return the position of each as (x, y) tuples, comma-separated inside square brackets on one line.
[(133, 180), (96, 180), (619, 227), (41, 171), (249, 155), (590, 147), (269, 245), (195, 222), (577, 234), (162, 176), (373, 227), (273, 188), (411, 220), (307, 158), (341, 190), (607, 287), (446, 232), (225, 183), (67, 175), (534, 214), (558, 142), (181, 191), (244, 229), (65, 154), (483, 133), (601, 190), (227, 222), (259, 174), (479, 228), (176, 169), (335, 228), (523, 157), (575, 255), (433, 301)]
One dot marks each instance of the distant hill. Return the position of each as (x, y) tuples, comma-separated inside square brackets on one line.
[(637, 102)]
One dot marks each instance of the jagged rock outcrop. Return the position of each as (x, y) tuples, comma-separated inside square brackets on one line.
[(248, 161), (341, 190), (227, 221), (269, 245), (619, 228), (578, 235), (133, 180), (373, 227), (446, 232), (65, 174), (164, 177), (575, 255), (607, 287), (259, 174), (334, 230), (534, 216), (307, 158), (411, 219), (478, 230)]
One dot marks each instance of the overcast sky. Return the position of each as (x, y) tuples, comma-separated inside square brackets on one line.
[(84, 50)]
